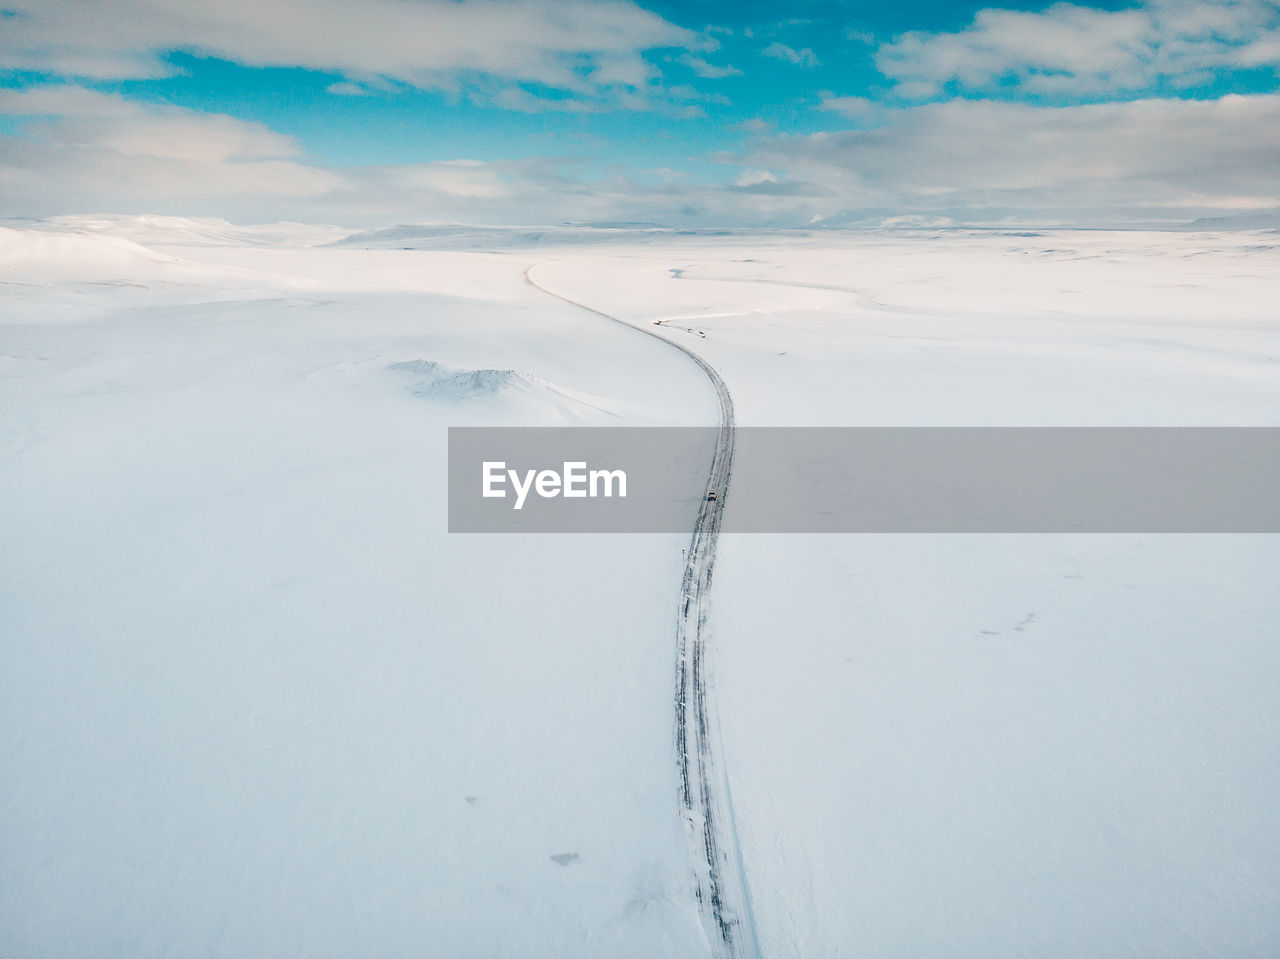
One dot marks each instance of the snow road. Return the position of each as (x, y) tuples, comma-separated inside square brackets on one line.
[(705, 803)]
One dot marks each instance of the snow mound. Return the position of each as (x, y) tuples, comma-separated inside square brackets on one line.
[(35, 256), (450, 386), (155, 229)]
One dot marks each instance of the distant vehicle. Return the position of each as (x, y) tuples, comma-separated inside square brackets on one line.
[(711, 494)]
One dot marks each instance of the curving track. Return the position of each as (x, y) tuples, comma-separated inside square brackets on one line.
[(720, 881)]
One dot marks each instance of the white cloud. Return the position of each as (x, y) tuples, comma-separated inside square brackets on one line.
[(346, 88), (709, 70), (587, 48), (755, 177), (81, 149), (665, 174), (468, 179), (1092, 162), (855, 108), (1070, 50), (801, 58)]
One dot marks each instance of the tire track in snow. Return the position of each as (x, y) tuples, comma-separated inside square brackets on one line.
[(706, 809)]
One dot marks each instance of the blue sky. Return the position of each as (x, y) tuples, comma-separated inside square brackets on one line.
[(693, 113)]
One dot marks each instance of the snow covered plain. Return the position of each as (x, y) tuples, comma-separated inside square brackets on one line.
[(256, 700)]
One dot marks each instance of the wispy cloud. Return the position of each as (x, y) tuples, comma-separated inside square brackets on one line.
[(709, 70), (801, 58), (345, 88)]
